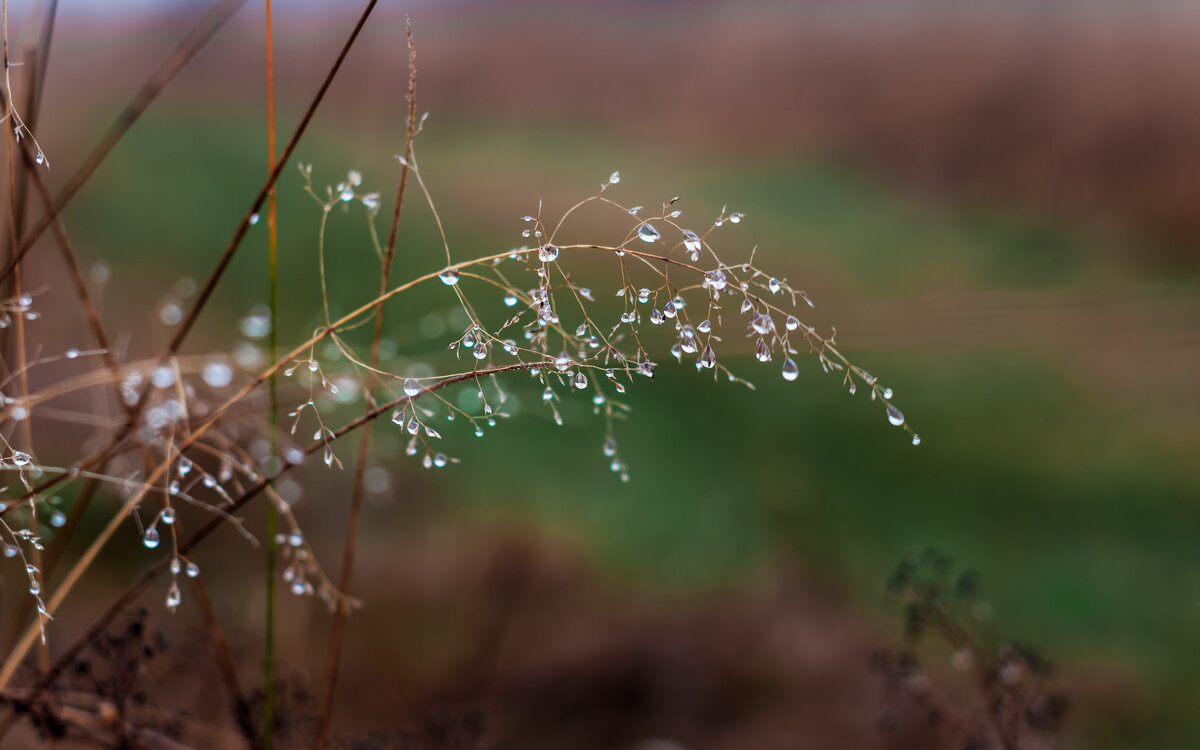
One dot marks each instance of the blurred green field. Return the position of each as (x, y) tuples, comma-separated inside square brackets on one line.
[(1073, 496)]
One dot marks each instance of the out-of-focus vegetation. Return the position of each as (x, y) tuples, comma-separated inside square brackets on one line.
[(1043, 338)]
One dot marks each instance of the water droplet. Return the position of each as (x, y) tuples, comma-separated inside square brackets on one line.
[(439, 460), (773, 285), (71, 353), (894, 415), (150, 539), (747, 306), (610, 447), (481, 351), (887, 392), (708, 359), (647, 233), (614, 178), (35, 588), (175, 566), (57, 519), (656, 317), (580, 381), (790, 370), (257, 324), (449, 277), (40, 158), (736, 218), (547, 253), (548, 393), (762, 352), (411, 387), (669, 309), (916, 439), (510, 300), (792, 323), (170, 313), (692, 243), (413, 426), (762, 324), (705, 326), (217, 374), (163, 376), (167, 516), (253, 219)]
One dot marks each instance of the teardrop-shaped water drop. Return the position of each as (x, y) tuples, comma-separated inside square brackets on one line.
[(614, 178), (762, 352), (411, 387), (647, 233), (916, 439), (704, 326), (150, 538), (790, 370), (449, 277), (762, 324), (548, 253), (691, 241), (708, 359), (791, 323), (773, 285), (894, 415), (580, 381)]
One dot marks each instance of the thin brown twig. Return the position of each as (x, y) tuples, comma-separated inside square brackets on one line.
[(225, 663), (349, 545)]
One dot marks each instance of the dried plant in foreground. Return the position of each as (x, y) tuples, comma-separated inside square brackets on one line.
[(186, 441)]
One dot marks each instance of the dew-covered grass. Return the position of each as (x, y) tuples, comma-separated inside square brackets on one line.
[(1074, 503)]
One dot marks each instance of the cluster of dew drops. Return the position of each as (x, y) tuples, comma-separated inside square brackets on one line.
[(755, 287)]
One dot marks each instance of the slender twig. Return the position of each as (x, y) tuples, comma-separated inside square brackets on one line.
[(225, 663), (10, 144), (272, 513), (349, 545)]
